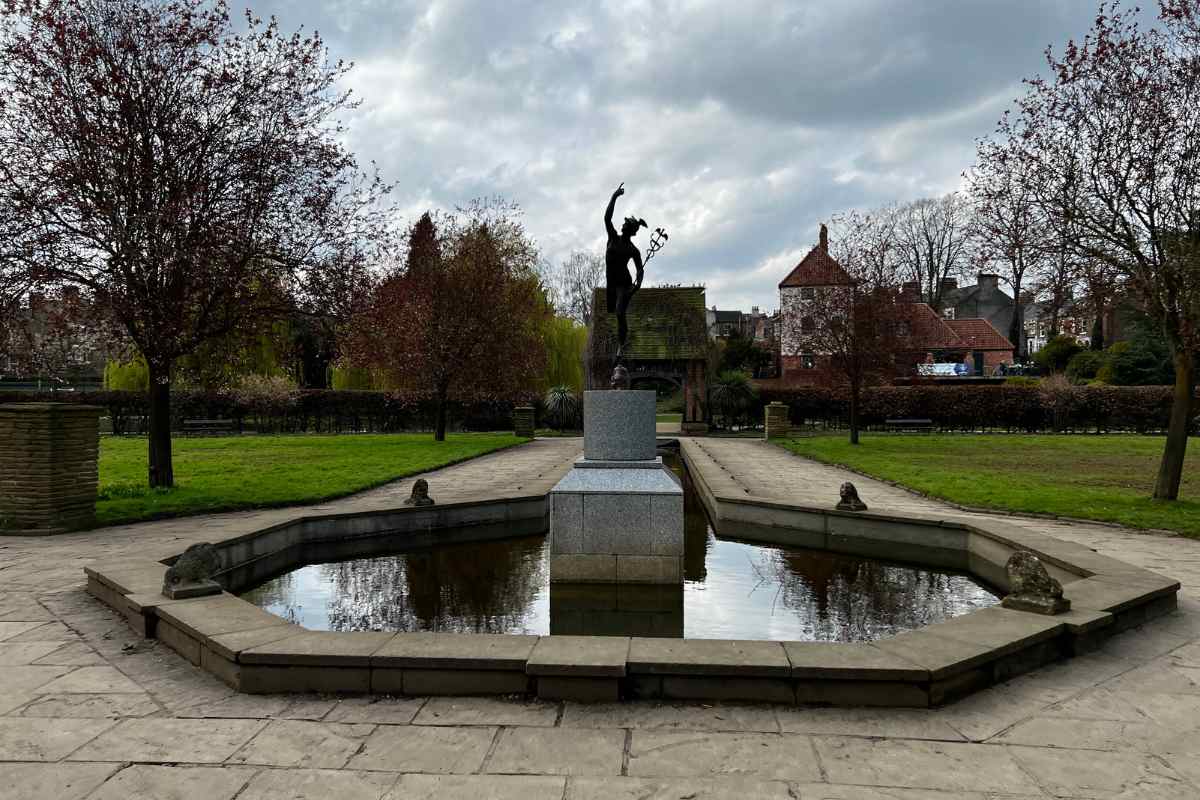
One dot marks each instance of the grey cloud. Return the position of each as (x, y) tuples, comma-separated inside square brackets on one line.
[(739, 126)]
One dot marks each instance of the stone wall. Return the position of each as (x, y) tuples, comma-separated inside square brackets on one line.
[(48, 466)]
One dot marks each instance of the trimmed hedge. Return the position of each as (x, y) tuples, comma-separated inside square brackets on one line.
[(967, 408), (300, 411)]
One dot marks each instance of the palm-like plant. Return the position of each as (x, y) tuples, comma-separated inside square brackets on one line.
[(731, 395), (562, 407)]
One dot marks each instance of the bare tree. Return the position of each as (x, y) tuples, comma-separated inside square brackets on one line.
[(932, 243), (1009, 226), (574, 283), (1113, 139), (186, 174)]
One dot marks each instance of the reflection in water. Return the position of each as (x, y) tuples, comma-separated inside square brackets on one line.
[(482, 587), (734, 590)]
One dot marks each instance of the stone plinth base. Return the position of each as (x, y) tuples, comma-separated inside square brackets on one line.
[(617, 516), (48, 478), (618, 425)]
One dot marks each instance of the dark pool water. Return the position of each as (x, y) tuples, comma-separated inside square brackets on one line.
[(733, 590)]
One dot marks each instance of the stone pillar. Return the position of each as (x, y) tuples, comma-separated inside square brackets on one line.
[(777, 424), (523, 421), (48, 473), (695, 391)]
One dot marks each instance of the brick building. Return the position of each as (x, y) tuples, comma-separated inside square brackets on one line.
[(972, 342)]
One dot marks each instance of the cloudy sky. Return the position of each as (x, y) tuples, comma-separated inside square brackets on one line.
[(738, 126)]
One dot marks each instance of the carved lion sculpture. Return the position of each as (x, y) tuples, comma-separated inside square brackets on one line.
[(420, 494), (850, 500), (1031, 587), (192, 573)]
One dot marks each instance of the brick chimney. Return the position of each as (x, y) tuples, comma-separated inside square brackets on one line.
[(989, 281), (910, 292), (824, 242)]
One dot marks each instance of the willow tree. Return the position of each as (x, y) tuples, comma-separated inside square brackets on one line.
[(184, 174), (1111, 142)]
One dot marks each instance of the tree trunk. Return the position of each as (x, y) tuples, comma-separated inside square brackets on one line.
[(1098, 332), (1017, 328), (439, 431), (162, 472), (1170, 471), (854, 391)]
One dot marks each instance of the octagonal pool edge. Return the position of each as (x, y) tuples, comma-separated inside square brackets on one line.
[(256, 652)]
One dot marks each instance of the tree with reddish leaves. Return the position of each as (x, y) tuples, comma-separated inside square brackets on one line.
[(462, 317), (1111, 141), (856, 327), (184, 175)]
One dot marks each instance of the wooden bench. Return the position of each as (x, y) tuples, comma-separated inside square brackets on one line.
[(208, 426), (909, 424)]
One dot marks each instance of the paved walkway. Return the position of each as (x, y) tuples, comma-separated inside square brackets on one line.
[(89, 710)]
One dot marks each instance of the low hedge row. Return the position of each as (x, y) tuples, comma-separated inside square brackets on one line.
[(1014, 408), (301, 411), (1005, 407)]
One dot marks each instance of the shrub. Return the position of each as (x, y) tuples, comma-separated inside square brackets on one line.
[(1057, 353), (1084, 365), (994, 407)]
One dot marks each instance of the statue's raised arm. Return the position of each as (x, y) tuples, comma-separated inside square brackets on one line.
[(608, 212)]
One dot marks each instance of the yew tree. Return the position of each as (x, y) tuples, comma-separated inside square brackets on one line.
[(462, 317), (185, 172), (1111, 140)]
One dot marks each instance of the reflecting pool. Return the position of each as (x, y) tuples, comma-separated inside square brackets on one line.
[(733, 590)]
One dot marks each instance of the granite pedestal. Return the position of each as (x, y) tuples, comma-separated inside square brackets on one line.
[(617, 516)]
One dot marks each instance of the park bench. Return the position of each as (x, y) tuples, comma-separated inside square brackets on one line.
[(910, 424), (208, 426)]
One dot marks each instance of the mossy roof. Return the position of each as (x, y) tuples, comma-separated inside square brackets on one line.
[(665, 324)]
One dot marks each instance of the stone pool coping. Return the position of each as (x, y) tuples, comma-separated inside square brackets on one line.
[(257, 652)]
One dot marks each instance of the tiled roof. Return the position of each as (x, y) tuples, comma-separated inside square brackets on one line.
[(818, 268), (929, 331), (979, 334)]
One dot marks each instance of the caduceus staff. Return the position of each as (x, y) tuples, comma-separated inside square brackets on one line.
[(620, 285)]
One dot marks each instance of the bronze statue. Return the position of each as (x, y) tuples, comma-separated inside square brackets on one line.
[(619, 286)]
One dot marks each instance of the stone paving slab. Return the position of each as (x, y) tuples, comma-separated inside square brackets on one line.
[(1147, 678), (764, 756)]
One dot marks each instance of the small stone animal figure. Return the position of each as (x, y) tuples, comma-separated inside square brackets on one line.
[(191, 574), (198, 563), (1031, 587), (850, 500), (420, 494)]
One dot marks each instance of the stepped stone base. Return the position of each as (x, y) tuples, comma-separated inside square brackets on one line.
[(617, 516)]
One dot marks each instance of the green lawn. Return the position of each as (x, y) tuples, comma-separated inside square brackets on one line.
[(236, 472), (668, 417), (1107, 478)]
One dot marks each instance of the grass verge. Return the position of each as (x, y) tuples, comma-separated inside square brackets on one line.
[(228, 473), (1108, 478)]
